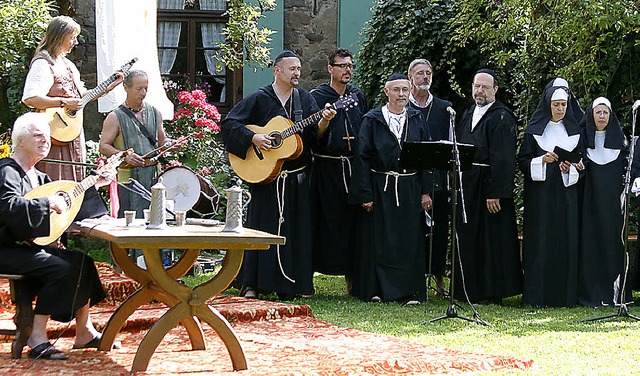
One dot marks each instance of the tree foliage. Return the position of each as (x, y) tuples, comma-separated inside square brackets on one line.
[(23, 23), (245, 40), (592, 43), (401, 31)]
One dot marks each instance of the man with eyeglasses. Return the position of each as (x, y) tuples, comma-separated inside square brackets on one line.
[(333, 153), (436, 117), (488, 242), (389, 262)]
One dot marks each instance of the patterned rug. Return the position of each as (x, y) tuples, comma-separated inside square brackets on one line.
[(278, 338)]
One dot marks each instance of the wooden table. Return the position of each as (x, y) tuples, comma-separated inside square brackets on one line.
[(186, 305)]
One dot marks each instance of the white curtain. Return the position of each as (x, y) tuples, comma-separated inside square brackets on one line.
[(211, 38), (127, 29), (168, 36), (213, 4)]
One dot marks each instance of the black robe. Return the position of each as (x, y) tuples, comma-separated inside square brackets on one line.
[(437, 121), (63, 280), (551, 220), (601, 259), (333, 217), (390, 256), (276, 270), (489, 248), (634, 276)]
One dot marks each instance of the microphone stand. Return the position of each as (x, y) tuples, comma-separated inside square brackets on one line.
[(452, 311), (623, 306)]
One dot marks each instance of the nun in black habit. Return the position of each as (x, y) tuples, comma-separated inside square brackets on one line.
[(601, 260), (389, 263), (551, 211)]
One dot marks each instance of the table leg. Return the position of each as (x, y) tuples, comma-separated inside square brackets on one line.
[(212, 317), (146, 294)]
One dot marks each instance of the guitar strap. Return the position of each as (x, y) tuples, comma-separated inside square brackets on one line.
[(297, 106), (141, 126)]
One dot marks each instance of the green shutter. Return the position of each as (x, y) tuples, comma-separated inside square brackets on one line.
[(274, 20), (352, 14)]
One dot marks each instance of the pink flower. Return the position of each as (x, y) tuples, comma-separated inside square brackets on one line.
[(185, 97), (197, 134), (182, 112), (205, 171), (199, 95)]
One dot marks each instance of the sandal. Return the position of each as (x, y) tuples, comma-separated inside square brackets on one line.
[(95, 344), (46, 350)]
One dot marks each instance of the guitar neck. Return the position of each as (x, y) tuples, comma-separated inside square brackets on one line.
[(299, 126), (85, 184), (95, 92)]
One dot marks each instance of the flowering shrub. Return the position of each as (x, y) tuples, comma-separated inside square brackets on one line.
[(197, 119), (5, 145)]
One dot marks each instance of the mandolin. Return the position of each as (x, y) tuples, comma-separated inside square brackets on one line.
[(73, 194), (66, 124), (263, 166)]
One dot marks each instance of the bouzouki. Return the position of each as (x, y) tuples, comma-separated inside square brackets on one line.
[(263, 166), (66, 124), (73, 194)]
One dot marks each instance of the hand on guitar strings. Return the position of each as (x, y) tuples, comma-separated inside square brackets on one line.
[(70, 104), (57, 203), (262, 141)]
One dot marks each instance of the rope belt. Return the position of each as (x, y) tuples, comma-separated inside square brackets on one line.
[(396, 175), (345, 161), (282, 180)]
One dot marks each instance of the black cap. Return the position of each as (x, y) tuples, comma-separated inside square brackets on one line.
[(491, 73), (397, 76), (286, 53)]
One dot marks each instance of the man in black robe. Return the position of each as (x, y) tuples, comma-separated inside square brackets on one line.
[(488, 242), (282, 206), (333, 217), (437, 120), (390, 257), (66, 283)]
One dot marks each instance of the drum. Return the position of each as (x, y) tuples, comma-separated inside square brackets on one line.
[(190, 192)]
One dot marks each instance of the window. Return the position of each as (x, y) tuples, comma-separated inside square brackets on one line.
[(189, 33)]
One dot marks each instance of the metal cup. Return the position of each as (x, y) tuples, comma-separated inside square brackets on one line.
[(181, 217), (129, 216)]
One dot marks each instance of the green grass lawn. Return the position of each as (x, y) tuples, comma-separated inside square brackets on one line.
[(554, 338)]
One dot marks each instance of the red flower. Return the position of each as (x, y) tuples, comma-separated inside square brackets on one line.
[(197, 134), (199, 95), (184, 97)]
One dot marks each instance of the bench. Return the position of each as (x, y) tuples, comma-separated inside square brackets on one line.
[(23, 317)]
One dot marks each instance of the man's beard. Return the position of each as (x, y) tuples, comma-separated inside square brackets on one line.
[(424, 87)]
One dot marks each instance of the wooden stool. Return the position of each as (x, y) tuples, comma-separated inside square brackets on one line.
[(23, 317)]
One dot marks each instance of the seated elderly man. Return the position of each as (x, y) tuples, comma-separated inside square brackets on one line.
[(66, 283)]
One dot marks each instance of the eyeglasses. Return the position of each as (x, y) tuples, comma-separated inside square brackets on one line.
[(344, 66)]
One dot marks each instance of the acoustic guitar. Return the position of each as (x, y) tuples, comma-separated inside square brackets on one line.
[(66, 124), (263, 166), (73, 194)]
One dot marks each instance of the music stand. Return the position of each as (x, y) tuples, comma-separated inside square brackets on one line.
[(441, 155)]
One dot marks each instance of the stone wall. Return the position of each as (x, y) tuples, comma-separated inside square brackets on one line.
[(311, 30), (85, 57)]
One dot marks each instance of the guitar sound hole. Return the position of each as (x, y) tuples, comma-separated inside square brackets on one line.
[(277, 139), (66, 197)]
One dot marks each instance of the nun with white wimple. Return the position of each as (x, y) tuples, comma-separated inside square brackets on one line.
[(551, 208), (573, 104), (601, 259)]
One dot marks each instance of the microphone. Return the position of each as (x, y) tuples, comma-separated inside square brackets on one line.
[(453, 112), (636, 105)]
